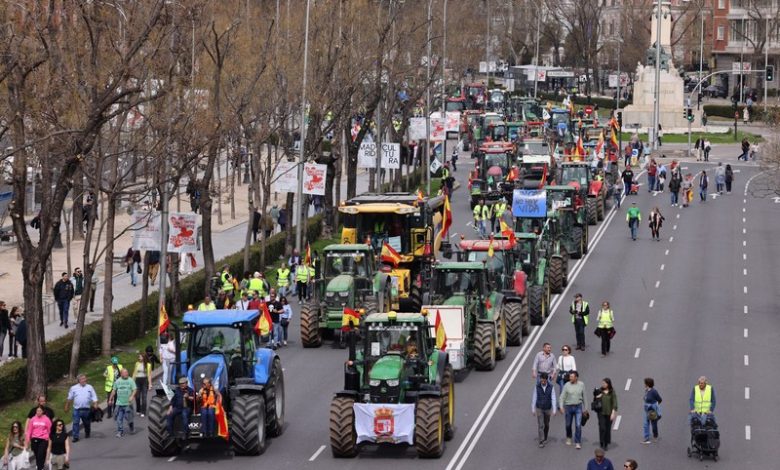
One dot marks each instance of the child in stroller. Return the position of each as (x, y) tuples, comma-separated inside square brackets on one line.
[(634, 187), (705, 437)]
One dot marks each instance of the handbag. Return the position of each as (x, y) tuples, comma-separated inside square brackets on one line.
[(585, 417), (596, 405), (597, 332), (652, 414), (612, 332)]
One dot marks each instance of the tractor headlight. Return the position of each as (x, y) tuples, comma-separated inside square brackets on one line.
[(344, 294), (393, 383), (330, 294), (374, 382)]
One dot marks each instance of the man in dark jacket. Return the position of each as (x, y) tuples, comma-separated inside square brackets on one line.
[(256, 219), (5, 327), (628, 178), (21, 335), (63, 294)]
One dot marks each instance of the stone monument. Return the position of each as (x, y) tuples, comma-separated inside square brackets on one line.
[(672, 97)]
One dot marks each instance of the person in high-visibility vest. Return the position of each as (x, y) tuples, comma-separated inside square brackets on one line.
[(487, 215), (605, 327), (111, 374), (312, 276), (302, 279), (498, 213), (478, 223), (702, 401), (207, 305), (283, 280), (257, 283), (227, 281), (580, 312)]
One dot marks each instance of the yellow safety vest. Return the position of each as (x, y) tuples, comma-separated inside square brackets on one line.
[(302, 274), (477, 212), (258, 285), (227, 282), (606, 318), (485, 212), (283, 277), (584, 307), (205, 308), (499, 208), (312, 272), (111, 375), (702, 399)]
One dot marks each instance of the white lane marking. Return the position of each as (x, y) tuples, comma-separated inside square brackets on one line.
[(747, 432), (744, 210), (628, 384), (675, 227), (662, 267), (747, 393), (744, 201), (617, 423), (745, 309), (172, 459), (671, 239), (744, 242), (747, 360), (316, 454), (744, 230), (684, 167), (666, 253), (744, 289), (744, 271), (644, 326), (657, 284), (745, 333), (652, 302), (636, 353), (744, 256), (466, 447), (678, 216), (744, 220)]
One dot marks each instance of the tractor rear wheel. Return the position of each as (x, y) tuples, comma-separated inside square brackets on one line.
[(310, 326), (247, 425), (513, 312), (161, 443), (526, 316), (556, 274), (536, 304), (343, 440), (370, 306), (585, 240), (485, 347), (590, 210), (274, 400), (576, 241), (415, 299), (501, 336), (448, 402), (428, 428), (600, 207)]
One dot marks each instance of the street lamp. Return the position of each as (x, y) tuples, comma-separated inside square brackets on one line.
[(536, 55), (299, 192), (656, 91)]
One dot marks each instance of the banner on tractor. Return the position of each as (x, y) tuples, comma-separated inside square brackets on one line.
[(384, 423), (529, 203)]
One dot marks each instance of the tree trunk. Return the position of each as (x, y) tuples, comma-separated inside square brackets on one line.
[(175, 291), (205, 209), (108, 288), (290, 237)]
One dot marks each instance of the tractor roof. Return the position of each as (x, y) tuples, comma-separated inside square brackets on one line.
[(482, 245), (401, 317), (460, 266), (388, 203), (559, 188), (362, 247), (220, 317)]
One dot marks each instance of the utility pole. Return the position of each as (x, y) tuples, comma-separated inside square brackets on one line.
[(378, 133), (427, 168), (299, 192), (741, 63), (766, 59), (656, 91), (487, 49), (701, 52), (443, 60), (536, 55)]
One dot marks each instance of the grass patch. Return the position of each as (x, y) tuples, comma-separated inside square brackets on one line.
[(727, 138)]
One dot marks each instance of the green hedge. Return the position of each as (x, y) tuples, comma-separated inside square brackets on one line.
[(13, 375)]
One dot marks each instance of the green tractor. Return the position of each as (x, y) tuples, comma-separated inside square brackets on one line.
[(533, 256), (398, 387), (571, 226), (472, 315), (347, 279)]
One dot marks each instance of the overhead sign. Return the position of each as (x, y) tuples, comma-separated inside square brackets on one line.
[(391, 155), (529, 203), (285, 179), (314, 176), (560, 74)]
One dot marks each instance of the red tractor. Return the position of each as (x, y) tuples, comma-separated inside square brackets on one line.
[(591, 191)]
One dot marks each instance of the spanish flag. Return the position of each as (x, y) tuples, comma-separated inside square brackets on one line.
[(446, 221), (508, 233), (263, 325), (441, 335), (222, 422), (307, 258), (490, 247), (600, 144), (579, 151), (349, 319), (389, 255), (164, 321)]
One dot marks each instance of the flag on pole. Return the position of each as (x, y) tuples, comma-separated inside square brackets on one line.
[(446, 221), (263, 325), (420, 196), (490, 247), (307, 258), (508, 233), (441, 335), (349, 319), (389, 255), (600, 145), (579, 151), (164, 321), (222, 422)]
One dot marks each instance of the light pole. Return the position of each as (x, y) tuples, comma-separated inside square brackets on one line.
[(427, 168), (487, 48), (443, 60), (701, 52), (299, 192), (741, 61), (536, 55), (766, 58), (656, 91)]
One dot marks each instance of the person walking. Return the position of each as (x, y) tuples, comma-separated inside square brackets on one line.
[(83, 398), (652, 410), (275, 309), (674, 188), (571, 405), (543, 405), (13, 318), (78, 281), (656, 221), (728, 178), (63, 294), (302, 281), (167, 355), (687, 188), (745, 146), (579, 311), (142, 374), (566, 364), (704, 181), (652, 172), (14, 445), (285, 318), (699, 148), (628, 179), (122, 394), (256, 224), (5, 328), (37, 437), (599, 461), (605, 405), (153, 266), (631, 463), (21, 334), (633, 217), (282, 280), (544, 361), (281, 219), (58, 453), (660, 134), (702, 400), (617, 193), (111, 374), (606, 327), (707, 149)]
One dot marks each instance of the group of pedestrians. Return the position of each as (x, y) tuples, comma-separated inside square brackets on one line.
[(488, 217), (13, 325), (43, 438)]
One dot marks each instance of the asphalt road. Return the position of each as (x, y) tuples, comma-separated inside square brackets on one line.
[(680, 312)]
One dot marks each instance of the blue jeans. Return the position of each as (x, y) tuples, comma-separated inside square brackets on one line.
[(123, 412), (185, 417), (208, 422), (574, 412), (482, 228), (703, 194), (282, 290), (627, 188), (650, 183), (647, 423), (134, 273), (64, 307), (633, 224), (278, 332), (675, 197), (81, 415)]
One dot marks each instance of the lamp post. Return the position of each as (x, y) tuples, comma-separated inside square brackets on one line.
[(766, 58), (656, 91), (536, 55), (443, 61), (427, 168), (299, 192)]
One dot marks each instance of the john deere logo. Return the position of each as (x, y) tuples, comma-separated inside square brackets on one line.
[(384, 423)]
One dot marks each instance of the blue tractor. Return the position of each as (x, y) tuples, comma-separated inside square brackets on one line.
[(222, 345)]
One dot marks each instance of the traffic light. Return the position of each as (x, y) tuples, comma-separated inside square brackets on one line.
[(689, 114), (620, 119), (770, 73)]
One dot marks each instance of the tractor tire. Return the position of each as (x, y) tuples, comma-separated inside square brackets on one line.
[(428, 428), (311, 337), (556, 275), (536, 305), (526, 316), (565, 260), (600, 207), (370, 306), (161, 443), (501, 342), (247, 425), (415, 299), (513, 313), (576, 237), (585, 241), (274, 400), (484, 347), (448, 402), (590, 210), (343, 440)]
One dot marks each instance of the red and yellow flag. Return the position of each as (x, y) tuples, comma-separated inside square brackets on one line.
[(441, 335), (490, 247), (446, 221), (307, 258), (222, 422), (420, 196), (579, 151), (164, 322), (389, 255), (600, 144), (508, 233), (263, 325), (349, 319)]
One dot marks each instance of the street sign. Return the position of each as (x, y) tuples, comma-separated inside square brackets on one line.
[(435, 165), (560, 74)]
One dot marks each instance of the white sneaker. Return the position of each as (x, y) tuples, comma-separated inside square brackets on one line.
[(568, 442)]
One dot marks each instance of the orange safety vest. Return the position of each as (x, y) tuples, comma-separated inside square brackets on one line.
[(208, 398)]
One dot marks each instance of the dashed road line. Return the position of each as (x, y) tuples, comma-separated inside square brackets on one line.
[(745, 309), (638, 350), (744, 230), (657, 284), (652, 302), (747, 393), (628, 384), (747, 432), (666, 253), (747, 360), (617, 423), (671, 239), (744, 271), (316, 454), (745, 333), (744, 210), (744, 220), (744, 242), (744, 289), (662, 267), (744, 256), (744, 201), (674, 227), (678, 216), (644, 326)]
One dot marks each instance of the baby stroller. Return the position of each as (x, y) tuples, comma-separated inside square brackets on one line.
[(705, 437), (634, 187)]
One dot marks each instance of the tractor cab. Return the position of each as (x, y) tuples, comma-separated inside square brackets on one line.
[(475, 96), (458, 279)]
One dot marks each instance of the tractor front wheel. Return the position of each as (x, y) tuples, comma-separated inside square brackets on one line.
[(556, 275), (536, 304), (501, 336), (274, 400), (448, 402), (526, 316), (600, 207), (485, 347), (428, 428), (513, 312), (343, 440), (247, 425), (590, 210), (576, 241), (161, 443), (311, 336)]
